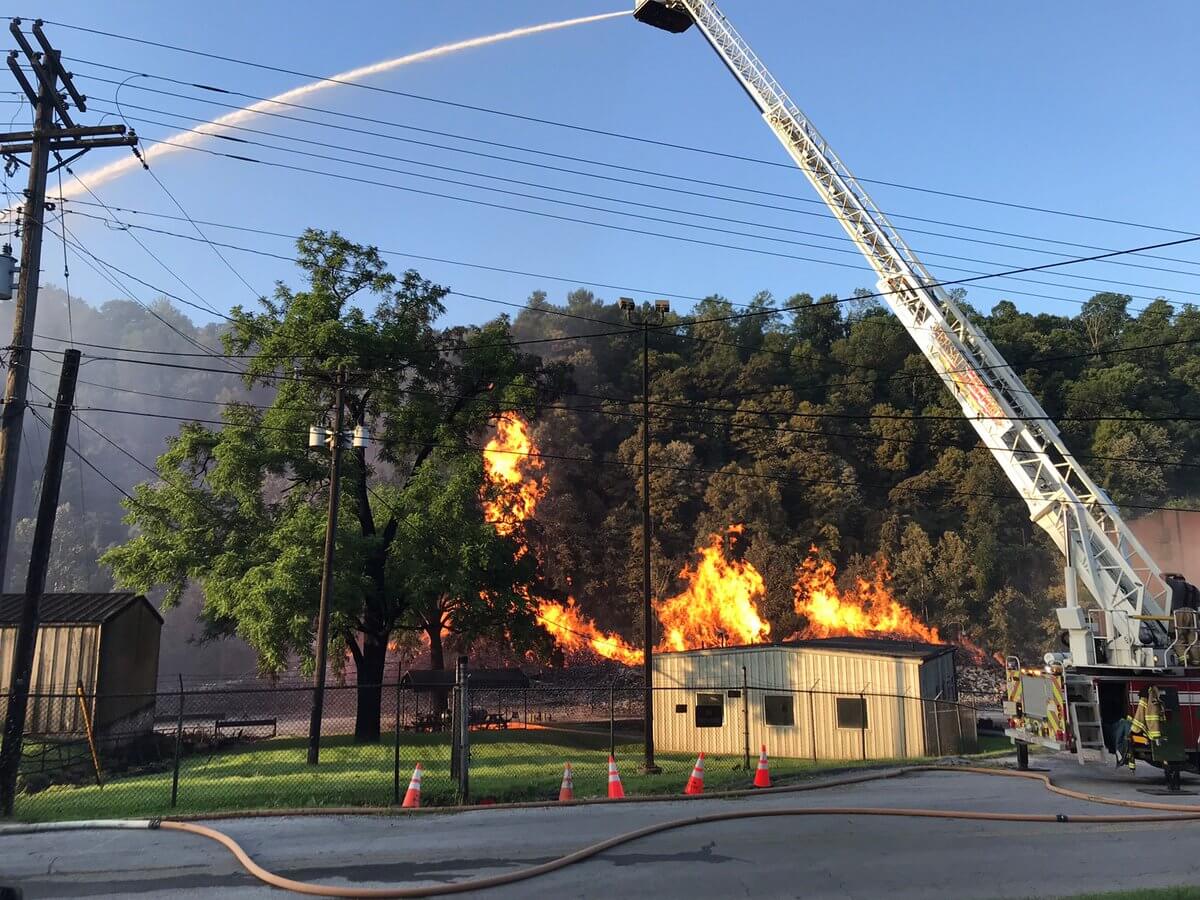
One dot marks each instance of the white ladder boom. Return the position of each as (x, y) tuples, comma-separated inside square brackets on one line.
[(1100, 549)]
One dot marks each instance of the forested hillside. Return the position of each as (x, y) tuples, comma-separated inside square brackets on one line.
[(819, 426), (822, 426)]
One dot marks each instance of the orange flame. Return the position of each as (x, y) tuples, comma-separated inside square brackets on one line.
[(574, 631), (866, 610), (719, 604), (510, 466)]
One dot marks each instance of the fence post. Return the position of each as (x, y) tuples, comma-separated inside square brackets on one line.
[(937, 728), (746, 718), (612, 722), (396, 750), (812, 723), (525, 693), (958, 724), (862, 697), (178, 745), (464, 718)]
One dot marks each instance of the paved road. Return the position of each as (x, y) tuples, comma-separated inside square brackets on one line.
[(839, 856)]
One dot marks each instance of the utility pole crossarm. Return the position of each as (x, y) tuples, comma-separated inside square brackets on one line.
[(1062, 498)]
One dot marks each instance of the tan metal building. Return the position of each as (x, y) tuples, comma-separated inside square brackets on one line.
[(107, 642), (837, 698)]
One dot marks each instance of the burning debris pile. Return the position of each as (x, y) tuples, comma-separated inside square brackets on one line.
[(719, 601)]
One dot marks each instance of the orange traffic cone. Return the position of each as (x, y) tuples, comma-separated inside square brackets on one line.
[(567, 791), (762, 778), (615, 790), (695, 784), (412, 797)]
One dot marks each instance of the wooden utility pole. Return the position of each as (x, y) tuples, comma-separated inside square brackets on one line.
[(661, 308), (35, 583), (335, 480), (53, 134)]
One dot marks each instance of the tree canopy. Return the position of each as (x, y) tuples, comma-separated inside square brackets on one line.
[(240, 508)]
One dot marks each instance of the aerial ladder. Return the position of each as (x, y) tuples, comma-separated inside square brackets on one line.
[(1128, 640)]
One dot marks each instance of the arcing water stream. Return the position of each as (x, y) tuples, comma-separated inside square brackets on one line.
[(191, 137)]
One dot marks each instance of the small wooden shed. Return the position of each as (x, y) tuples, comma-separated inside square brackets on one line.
[(108, 642)]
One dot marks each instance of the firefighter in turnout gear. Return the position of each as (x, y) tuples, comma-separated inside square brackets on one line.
[(1147, 719)]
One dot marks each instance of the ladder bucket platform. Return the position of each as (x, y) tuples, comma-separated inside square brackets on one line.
[(657, 13)]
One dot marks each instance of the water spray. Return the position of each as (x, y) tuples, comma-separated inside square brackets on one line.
[(191, 137)]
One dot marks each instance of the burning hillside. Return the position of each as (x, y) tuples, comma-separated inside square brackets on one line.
[(719, 602)]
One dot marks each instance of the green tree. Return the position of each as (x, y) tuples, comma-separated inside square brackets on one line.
[(240, 509), (459, 573)]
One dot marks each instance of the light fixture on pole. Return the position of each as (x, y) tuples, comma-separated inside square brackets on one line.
[(658, 314)]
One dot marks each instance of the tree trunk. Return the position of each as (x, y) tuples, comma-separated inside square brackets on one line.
[(370, 691), (437, 662)]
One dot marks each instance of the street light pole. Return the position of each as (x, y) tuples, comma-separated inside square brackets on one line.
[(660, 309), (335, 466)]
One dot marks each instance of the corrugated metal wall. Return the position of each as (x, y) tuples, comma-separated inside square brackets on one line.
[(813, 679), (64, 655)]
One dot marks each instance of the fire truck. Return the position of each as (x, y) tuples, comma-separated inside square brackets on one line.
[(1139, 627)]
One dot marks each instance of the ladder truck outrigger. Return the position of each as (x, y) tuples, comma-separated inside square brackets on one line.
[(1141, 631)]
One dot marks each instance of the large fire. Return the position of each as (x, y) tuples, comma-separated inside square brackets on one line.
[(511, 467), (867, 609), (719, 604), (572, 630)]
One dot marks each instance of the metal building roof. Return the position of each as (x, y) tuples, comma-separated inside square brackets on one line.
[(79, 609), (875, 646)]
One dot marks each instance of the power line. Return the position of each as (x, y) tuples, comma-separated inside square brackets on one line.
[(576, 127), (662, 466), (543, 166), (474, 201), (822, 212), (692, 403), (536, 407), (950, 282), (532, 309), (788, 353)]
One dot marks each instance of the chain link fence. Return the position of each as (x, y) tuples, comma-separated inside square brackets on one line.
[(191, 751)]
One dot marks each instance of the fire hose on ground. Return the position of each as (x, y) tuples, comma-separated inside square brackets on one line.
[(1166, 812)]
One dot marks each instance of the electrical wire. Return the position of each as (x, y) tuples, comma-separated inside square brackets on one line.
[(944, 493), (62, 221), (473, 201), (583, 128), (840, 238), (974, 279), (707, 423), (788, 353), (823, 212)]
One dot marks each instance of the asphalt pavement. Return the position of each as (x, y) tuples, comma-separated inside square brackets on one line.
[(801, 856)]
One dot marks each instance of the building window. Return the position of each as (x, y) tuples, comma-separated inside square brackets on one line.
[(852, 712), (779, 709), (710, 711)]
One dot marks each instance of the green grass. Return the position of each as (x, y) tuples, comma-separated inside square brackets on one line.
[(506, 766)]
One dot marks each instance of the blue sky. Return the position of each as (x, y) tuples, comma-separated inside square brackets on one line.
[(1085, 107)]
